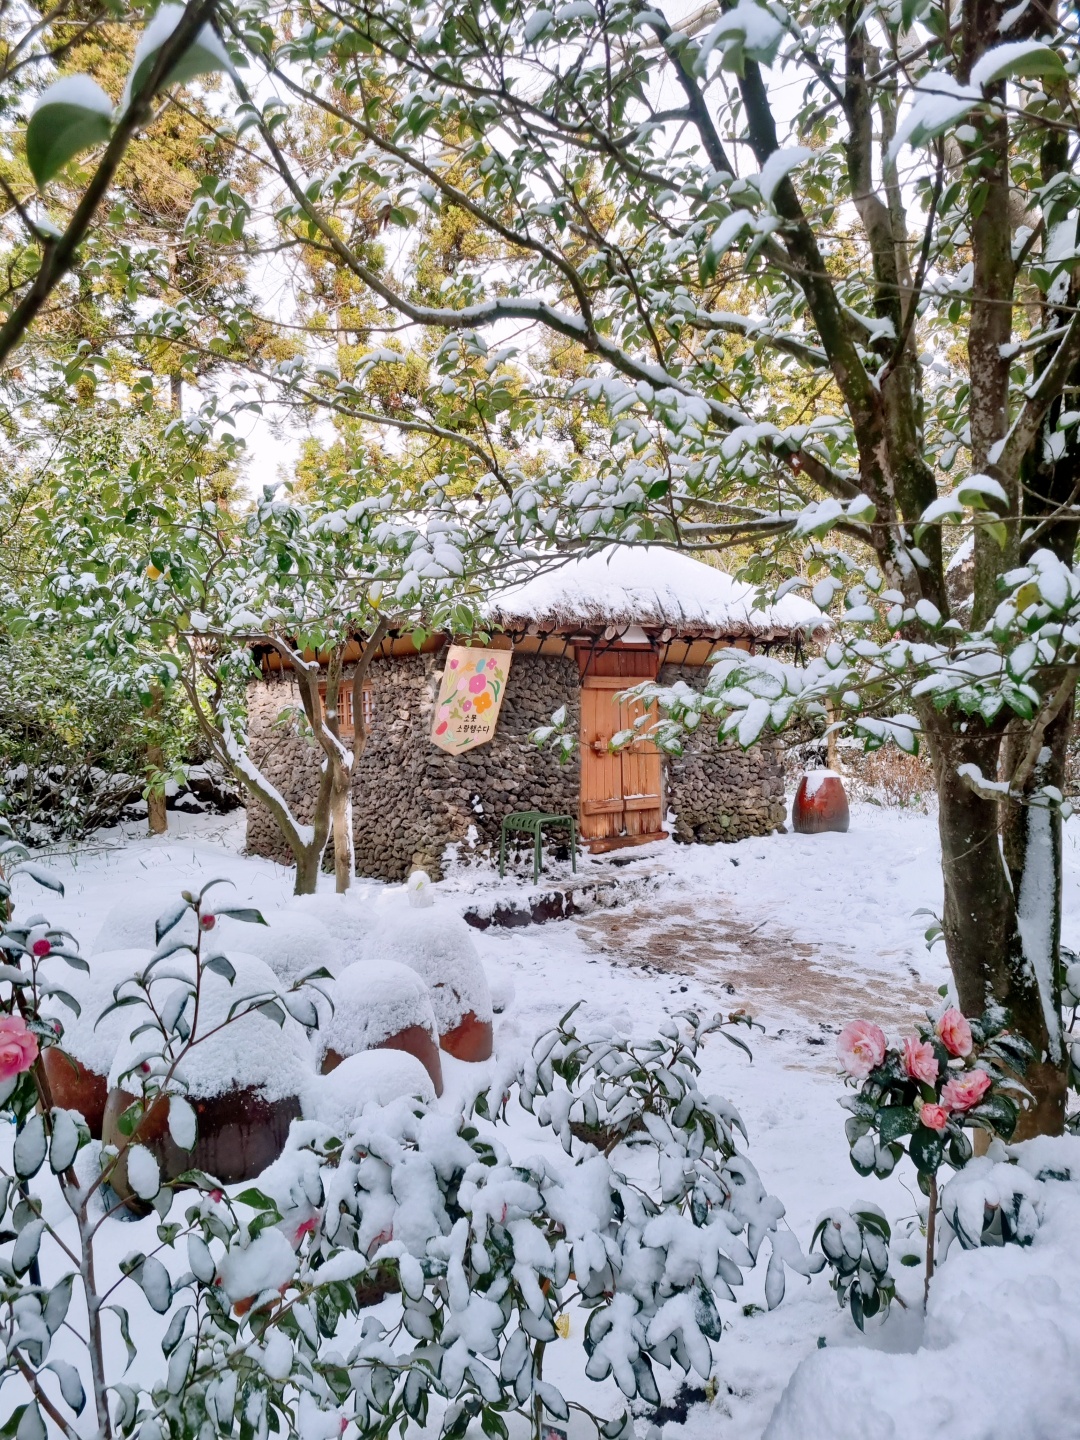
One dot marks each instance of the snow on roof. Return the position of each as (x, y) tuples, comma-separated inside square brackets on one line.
[(646, 585)]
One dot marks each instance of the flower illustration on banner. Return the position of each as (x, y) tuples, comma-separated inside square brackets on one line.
[(469, 699)]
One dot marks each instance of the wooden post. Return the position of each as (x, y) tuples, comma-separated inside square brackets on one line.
[(833, 750), (156, 815)]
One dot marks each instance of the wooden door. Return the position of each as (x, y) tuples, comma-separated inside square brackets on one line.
[(621, 801)]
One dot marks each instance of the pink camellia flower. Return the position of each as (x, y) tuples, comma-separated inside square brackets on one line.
[(860, 1048), (477, 683), (934, 1117), (965, 1090), (18, 1047), (954, 1032), (207, 922), (41, 948), (920, 1062)]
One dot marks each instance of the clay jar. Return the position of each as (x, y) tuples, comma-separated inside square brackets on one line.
[(241, 1072), (382, 1007), (74, 1087), (820, 804), (240, 1134), (470, 1039), (78, 1066), (437, 943)]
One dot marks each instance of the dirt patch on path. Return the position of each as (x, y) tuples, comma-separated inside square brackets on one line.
[(761, 965)]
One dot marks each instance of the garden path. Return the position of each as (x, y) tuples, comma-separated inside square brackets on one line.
[(761, 964)]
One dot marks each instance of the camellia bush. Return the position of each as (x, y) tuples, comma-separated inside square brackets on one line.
[(918, 1098), (646, 1225)]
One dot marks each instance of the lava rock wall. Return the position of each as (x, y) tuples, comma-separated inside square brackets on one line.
[(415, 806), (411, 801), (717, 790)]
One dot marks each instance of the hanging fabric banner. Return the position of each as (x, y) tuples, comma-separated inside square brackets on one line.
[(470, 698)]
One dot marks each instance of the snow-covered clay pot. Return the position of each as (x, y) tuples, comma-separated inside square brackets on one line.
[(820, 804), (244, 1080), (381, 1007), (131, 922), (372, 1077), (347, 917), (436, 942), (78, 1068), (291, 943)]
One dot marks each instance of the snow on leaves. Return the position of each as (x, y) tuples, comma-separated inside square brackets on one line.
[(647, 1220)]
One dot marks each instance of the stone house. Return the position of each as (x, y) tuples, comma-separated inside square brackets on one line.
[(580, 634)]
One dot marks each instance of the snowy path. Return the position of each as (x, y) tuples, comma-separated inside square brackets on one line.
[(763, 964)]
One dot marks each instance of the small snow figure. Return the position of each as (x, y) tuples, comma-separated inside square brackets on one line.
[(418, 888)]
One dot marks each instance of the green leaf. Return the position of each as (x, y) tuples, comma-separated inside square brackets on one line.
[(42, 876), (71, 116), (250, 917), (912, 10), (1016, 59), (997, 1113), (125, 1331), (204, 56), (926, 1149), (895, 1121), (256, 1199)]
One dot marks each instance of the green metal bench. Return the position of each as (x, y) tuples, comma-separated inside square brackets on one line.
[(531, 822)]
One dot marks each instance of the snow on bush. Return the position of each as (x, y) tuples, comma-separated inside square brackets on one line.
[(646, 1223), (1000, 1346)]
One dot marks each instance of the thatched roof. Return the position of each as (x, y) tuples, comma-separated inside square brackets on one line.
[(656, 589)]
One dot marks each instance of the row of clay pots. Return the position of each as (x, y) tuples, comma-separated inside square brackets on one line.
[(240, 1131)]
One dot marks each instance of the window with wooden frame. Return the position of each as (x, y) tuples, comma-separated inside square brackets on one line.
[(345, 706)]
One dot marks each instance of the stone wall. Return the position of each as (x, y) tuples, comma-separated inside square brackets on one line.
[(412, 800), (716, 790)]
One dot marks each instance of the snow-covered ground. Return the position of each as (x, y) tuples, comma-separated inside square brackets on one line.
[(806, 933)]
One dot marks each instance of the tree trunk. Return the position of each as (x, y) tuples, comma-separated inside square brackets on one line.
[(341, 823), (307, 870), (1001, 920), (156, 814), (1031, 835)]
